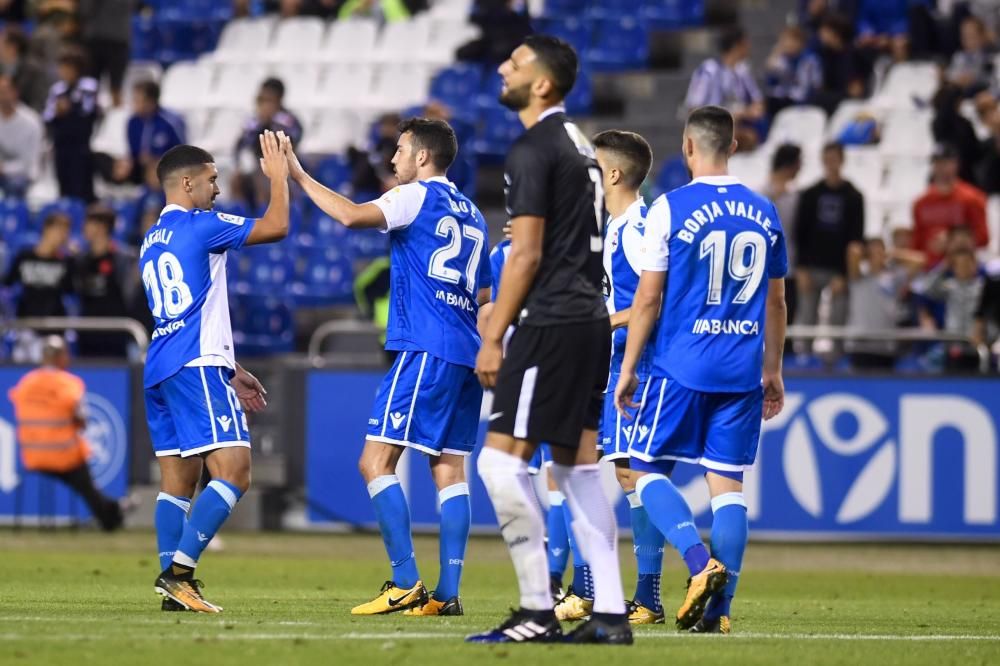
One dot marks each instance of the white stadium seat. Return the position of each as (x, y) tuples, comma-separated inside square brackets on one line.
[(111, 137), (403, 40), (222, 130), (296, 39), (444, 37), (453, 8), (236, 86), (186, 86), (906, 82), (993, 223), (398, 86), (846, 112), (343, 86), (907, 177), (750, 168), (301, 83), (331, 131), (801, 125), (907, 133), (863, 166), (352, 40), (244, 40)]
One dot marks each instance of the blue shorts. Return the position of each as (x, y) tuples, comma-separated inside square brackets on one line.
[(615, 431), (540, 459), (195, 411), (427, 404), (719, 431)]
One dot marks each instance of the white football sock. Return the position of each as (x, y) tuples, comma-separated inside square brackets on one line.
[(521, 523), (595, 530)]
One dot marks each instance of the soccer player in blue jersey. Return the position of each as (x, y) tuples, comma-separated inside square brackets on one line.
[(430, 398), (196, 394), (720, 329)]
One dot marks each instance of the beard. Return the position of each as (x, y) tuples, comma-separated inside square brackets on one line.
[(516, 99)]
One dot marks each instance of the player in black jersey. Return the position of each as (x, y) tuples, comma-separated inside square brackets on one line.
[(549, 386)]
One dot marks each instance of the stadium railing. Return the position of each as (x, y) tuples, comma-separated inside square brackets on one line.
[(95, 324)]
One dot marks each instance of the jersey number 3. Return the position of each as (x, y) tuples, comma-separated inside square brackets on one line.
[(449, 228), (747, 253), (165, 284)]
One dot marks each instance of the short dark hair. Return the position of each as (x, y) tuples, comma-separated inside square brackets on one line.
[(959, 229), (75, 58), (731, 37), (787, 155), (149, 88), (435, 136), (275, 85), (16, 36), (834, 147), (102, 215), (54, 218), (716, 127), (558, 58), (180, 158), (633, 151)]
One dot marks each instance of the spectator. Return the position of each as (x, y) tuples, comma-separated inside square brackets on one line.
[(830, 217), (948, 202), (951, 127), (971, 68), (372, 171), (43, 272), (107, 29), (986, 318), (502, 29), (21, 134), (988, 170), (270, 115), (728, 82), (70, 114), (882, 24), (13, 11), (389, 11), (152, 131), (785, 166), (30, 76), (958, 284), (845, 74), (793, 73), (51, 419), (99, 283), (874, 295)]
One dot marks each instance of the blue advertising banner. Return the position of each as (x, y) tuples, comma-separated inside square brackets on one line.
[(846, 458), (28, 497)]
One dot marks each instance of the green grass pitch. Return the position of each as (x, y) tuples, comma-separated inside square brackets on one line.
[(85, 598)]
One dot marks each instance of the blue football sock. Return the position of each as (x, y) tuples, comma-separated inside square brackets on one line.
[(558, 548), (169, 518), (456, 518), (671, 515), (648, 548), (393, 515), (729, 541), (210, 511), (583, 582)]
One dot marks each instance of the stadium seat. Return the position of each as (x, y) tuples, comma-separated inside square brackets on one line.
[(397, 86), (323, 276), (321, 230), (222, 131), (236, 85), (186, 86), (498, 129), (145, 43), (261, 269), (334, 172), (566, 7), (332, 131), (907, 133), (452, 8), (183, 38), (402, 41), (801, 125), (367, 244), (352, 40), (863, 166), (619, 43), (301, 81), (604, 10), (245, 40), (444, 37), (111, 136), (126, 219), (572, 28), (489, 93), (908, 85), (14, 217), (673, 174), (993, 223), (581, 97), (750, 168), (907, 177), (457, 87), (883, 214), (295, 37), (262, 326), (846, 112), (666, 14), (343, 85)]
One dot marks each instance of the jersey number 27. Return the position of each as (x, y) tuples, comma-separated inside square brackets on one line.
[(449, 228)]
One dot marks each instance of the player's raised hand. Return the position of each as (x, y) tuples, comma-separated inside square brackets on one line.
[(625, 392), (774, 395), (249, 391), (273, 162), (295, 169), (488, 363)]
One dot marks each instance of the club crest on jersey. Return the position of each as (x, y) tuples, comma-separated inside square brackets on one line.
[(231, 219)]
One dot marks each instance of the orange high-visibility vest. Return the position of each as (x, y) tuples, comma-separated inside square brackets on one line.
[(46, 403)]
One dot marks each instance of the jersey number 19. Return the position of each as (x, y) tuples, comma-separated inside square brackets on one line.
[(747, 253)]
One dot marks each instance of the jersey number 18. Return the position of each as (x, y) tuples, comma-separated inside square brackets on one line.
[(164, 282)]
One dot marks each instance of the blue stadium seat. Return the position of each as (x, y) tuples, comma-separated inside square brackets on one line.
[(463, 170), (619, 44), (672, 14), (73, 208), (262, 326), (612, 9), (321, 230), (565, 7), (498, 129), (367, 244), (334, 172), (489, 93), (575, 30), (262, 269), (145, 38), (14, 217), (126, 219), (323, 276), (581, 97), (673, 174), (457, 86)]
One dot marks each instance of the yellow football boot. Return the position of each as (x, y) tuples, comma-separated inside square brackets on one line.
[(433, 607), (573, 607), (639, 614), (720, 625), (701, 586), (393, 599)]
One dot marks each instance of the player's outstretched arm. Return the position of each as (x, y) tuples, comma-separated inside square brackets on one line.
[(340, 208), (642, 317), (273, 224), (776, 317), (527, 235)]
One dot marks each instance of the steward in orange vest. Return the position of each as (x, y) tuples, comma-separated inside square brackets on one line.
[(48, 408)]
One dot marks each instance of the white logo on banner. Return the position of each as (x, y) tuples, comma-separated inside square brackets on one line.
[(107, 437)]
